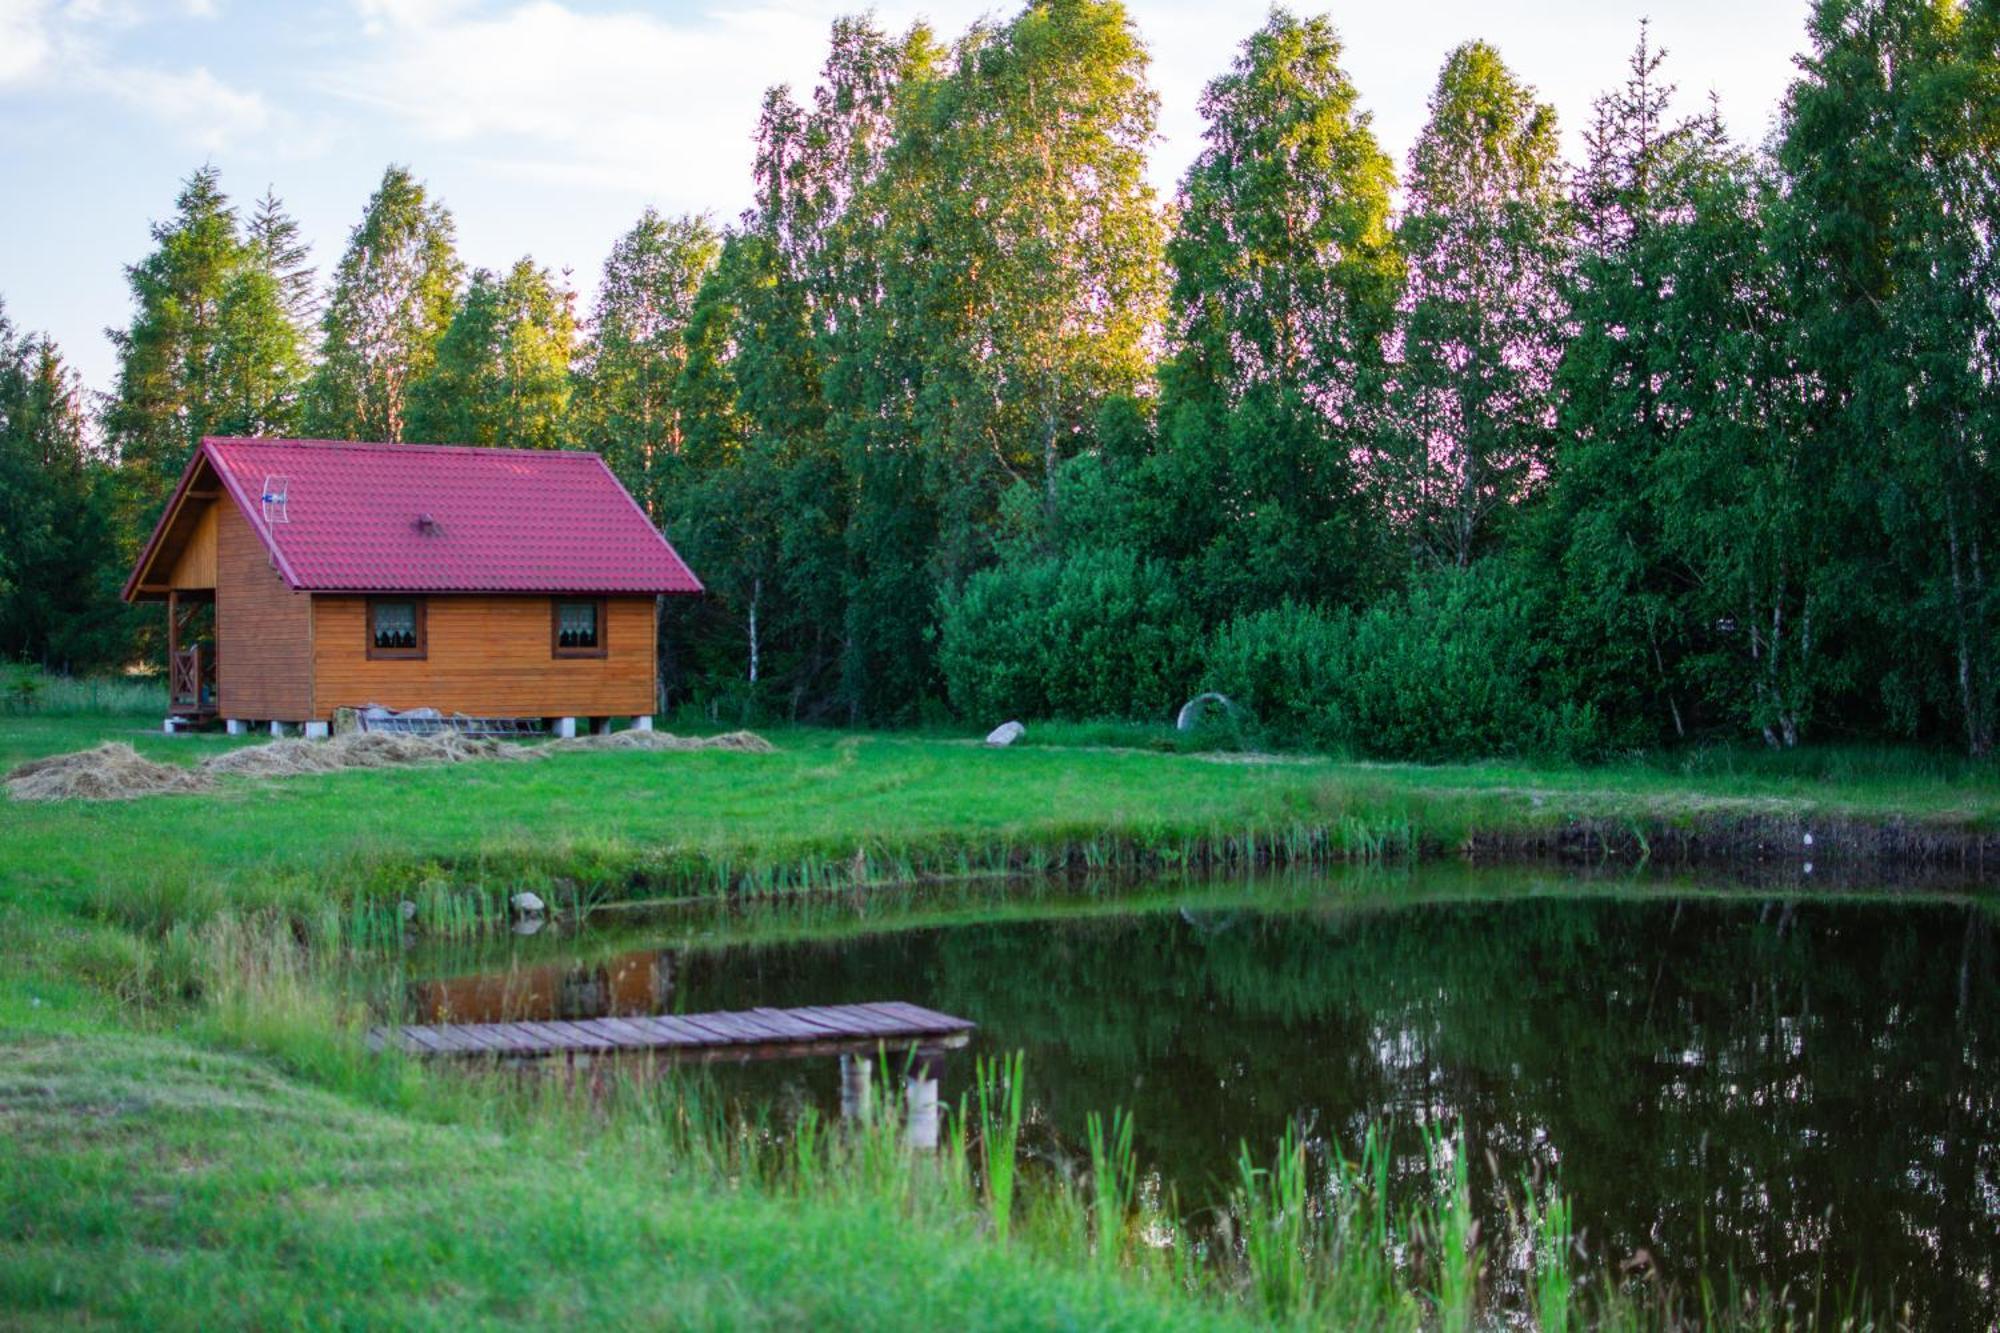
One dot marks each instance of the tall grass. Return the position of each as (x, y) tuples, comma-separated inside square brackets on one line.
[(1553, 1289), (1000, 1091), (385, 900), (1454, 1233), (30, 692), (1274, 1217), (1114, 1176)]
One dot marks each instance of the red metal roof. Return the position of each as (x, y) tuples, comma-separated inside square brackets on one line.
[(499, 520)]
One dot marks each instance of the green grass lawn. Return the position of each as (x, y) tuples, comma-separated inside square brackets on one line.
[(153, 1183), (192, 1136), (637, 819)]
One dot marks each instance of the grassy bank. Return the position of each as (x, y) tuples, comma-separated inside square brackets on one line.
[(197, 1136), (158, 1183), (830, 809)]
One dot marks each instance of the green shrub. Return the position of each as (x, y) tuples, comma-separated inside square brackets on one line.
[(1448, 669), (1284, 666), (1096, 634)]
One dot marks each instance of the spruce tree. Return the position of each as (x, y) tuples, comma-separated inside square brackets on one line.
[(208, 351), (59, 569), (501, 374), (275, 240)]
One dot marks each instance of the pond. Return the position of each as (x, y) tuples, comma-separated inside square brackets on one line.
[(1780, 1090)]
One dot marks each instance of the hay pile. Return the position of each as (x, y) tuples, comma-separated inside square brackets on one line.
[(367, 749), (115, 771), (741, 742)]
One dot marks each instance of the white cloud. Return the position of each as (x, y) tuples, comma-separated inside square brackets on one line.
[(26, 44), (631, 101), (194, 105), (625, 101), (68, 50), (383, 16)]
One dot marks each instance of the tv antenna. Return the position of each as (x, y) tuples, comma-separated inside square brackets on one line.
[(275, 491)]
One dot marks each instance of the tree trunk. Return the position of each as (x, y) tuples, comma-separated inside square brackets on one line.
[(756, 595), (1968, 586)]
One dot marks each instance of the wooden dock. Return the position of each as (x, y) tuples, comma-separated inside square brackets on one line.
[(751, 1034)]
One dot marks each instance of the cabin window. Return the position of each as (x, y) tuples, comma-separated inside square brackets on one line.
[(578, 628), (395, 627)]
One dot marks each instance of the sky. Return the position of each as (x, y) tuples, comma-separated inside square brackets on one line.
[(547, 126)]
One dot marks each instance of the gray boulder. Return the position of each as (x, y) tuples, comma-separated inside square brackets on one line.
[(1006, 733)]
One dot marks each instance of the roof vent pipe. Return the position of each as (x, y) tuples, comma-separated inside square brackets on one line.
[(427, 525)]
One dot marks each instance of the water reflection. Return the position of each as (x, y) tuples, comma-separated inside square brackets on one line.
[(1786, 1089), (634, 983)]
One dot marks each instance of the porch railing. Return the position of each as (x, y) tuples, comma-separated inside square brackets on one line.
[(191, 680)]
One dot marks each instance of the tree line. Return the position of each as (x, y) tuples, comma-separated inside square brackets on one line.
[(1688, 439)]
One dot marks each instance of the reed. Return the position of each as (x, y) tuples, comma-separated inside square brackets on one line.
[(1000, 1087), (1275, 1220), (1553, 1287), (1453, 1232), (1114, 1176)]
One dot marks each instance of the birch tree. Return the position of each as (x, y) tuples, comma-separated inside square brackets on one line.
[(394, 294), (1286, 277), (1482, 320)]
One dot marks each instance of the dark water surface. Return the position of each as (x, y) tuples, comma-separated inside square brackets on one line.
[(1796, 1092)]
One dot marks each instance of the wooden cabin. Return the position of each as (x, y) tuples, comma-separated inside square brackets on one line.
[(305, 576)]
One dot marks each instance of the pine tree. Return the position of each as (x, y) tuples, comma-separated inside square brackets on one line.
[(394, 294), (59, 570), (1482, 320)]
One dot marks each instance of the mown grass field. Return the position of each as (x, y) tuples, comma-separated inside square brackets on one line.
[(899, 800), (195, 1139)]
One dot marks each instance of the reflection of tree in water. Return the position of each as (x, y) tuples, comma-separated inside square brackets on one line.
[(1799, 1082)]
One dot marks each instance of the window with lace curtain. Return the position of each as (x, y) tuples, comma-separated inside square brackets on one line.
[(396, 627), (578, 627)]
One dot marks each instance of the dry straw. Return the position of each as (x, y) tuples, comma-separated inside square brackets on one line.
[(115, 771)]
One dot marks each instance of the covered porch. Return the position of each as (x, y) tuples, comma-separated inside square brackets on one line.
[(191, 656)]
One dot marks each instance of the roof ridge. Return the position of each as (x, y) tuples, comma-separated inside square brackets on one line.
[(397, 447)]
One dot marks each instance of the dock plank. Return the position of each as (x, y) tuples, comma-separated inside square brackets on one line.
[(667, 1030), (579, 1037), (792, 1027), (859, 1020), (827, 1028), (421, 1039), (623, 1031), (483, 1035), (809, 1028)]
